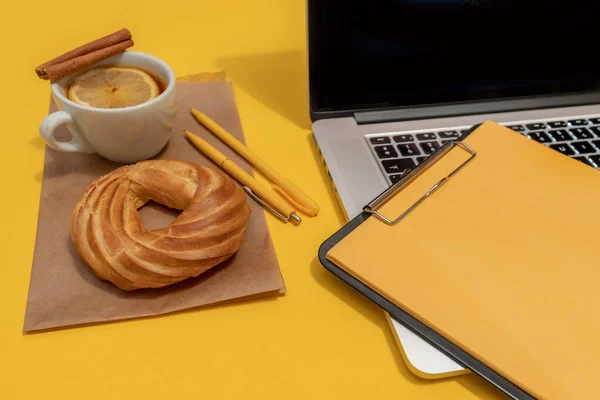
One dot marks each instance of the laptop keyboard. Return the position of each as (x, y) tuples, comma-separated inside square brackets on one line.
[(398, 153)]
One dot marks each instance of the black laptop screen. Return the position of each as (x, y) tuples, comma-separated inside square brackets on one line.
[(392, 53)]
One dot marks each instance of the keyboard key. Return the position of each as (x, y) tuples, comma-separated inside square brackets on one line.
[(380, 140), (463, 132), (450, 134), (560, 135), (409, 149), (518, 128), (404, 138), (540, 136), (563, 148), (421, 159), (429, 147), (596, 143), (578, 122), (397, 166), (583, 147), (595, 159), (396, 177), (385, 151), (557, 124), (595, 130), (595, 121), (536, 126), (581, 133), (584, 160), (426, 136)]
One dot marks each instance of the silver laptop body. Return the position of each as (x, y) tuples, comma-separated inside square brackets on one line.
[(367, 147)]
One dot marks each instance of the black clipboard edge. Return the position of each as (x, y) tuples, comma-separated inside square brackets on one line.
[(425, 332), (419, 328)]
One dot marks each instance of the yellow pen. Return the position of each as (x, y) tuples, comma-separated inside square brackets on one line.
[(284, 187), (257, 191)]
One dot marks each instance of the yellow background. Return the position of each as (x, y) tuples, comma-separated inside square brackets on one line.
[(321, 340)]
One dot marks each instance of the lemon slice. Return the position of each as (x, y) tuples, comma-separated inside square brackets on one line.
[(112, 87)]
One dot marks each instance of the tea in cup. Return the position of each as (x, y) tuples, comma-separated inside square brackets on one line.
[(122, 108)]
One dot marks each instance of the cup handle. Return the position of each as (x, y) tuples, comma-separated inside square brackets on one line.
[(53, 121)]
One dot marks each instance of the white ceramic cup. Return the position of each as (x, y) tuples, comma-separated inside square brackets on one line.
[(124, 135)]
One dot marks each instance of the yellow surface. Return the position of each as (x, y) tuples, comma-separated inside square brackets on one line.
[(321, 340), (492, 287)]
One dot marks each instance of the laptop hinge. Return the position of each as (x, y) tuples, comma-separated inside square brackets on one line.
[(453, 110)]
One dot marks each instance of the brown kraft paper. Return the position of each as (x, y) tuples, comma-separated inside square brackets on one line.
[(63, 289)]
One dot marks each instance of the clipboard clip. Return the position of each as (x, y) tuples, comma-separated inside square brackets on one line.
[(408, 177)]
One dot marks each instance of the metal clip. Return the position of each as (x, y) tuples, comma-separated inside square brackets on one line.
[(293, 217), (371, 208)]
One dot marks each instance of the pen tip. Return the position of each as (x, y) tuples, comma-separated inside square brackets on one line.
[(296, 218)]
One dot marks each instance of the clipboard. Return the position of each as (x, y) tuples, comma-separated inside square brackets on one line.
[(473, 165)]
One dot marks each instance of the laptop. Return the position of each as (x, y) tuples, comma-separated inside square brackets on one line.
[(392, 80)]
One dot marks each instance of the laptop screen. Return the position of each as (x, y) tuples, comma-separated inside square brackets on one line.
[(392, 53)]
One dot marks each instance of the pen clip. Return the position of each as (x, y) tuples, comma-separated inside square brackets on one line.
[(282, 217)]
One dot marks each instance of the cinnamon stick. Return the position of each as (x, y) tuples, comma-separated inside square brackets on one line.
[(85, 55)]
